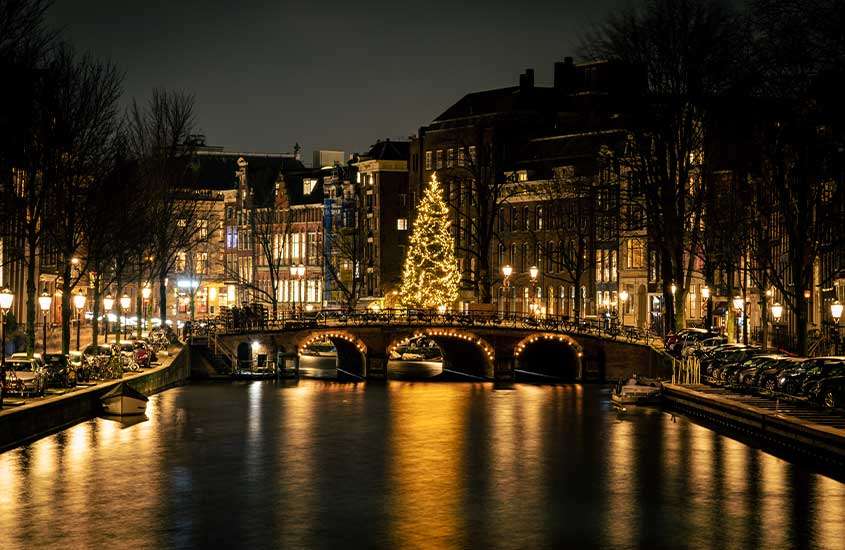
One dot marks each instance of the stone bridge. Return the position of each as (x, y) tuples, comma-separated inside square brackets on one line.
[(493, 351)]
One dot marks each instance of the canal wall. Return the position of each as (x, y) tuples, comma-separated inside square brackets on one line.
[(45, 416), (606, 359), (785, 435)]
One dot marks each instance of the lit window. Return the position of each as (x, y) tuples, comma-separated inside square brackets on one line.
[(308, 185), (428, 160), (522, 175), (450, 158), (402, 224), (438, 159)]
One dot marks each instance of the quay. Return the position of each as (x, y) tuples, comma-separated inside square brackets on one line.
[(791, 428), (39, 417)]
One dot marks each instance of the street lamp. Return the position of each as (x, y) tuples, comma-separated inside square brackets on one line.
[(777, 311), (836, 313), (79, 302), (108, 303), (145, 293), (44, 302), (6, 299), (125, 303), (739, 304), (674, 289), (507, 271), (705, 292), (297, 271), (533, 271)]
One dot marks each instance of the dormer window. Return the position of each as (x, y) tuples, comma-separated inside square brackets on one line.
[(308, 185)]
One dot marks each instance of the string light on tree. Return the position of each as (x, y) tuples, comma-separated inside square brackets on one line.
[(430, 277)]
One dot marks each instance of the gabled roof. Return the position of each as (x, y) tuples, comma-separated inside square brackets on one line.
[(388, 150), (215, 170), (503, 100), (294, 189)]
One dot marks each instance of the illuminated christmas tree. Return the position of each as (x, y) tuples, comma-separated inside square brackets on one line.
[(430, 277)]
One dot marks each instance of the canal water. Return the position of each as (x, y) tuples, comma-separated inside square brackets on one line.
[(406, 465)]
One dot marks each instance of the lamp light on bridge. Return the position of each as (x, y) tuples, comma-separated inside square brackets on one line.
[(777, 311), (705, 292), (836, 311), (534, 271), (738, 303)]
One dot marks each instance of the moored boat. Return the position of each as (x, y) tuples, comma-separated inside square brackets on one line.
[(124, 400), (637, 392)]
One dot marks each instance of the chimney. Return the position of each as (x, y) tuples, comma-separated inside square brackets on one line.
[(526, 80), (565, 75)]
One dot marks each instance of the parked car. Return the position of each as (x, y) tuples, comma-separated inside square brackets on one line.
[(25, 376), (103, 360), (701, 347), (767, 377), (722, 356), (126, 352), (793, 381), (676, 342), (82, 370), (829, 392), (35, 356), (142, 353), (60, 372), (744, 375)]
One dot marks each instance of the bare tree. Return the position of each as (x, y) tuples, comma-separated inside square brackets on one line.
[(688, 51), (160, 140)]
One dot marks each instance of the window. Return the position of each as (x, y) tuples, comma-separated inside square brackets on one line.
[(501, 256), (308, 185), (202, 229), (428, 160), (522, 175), (438, 159), (181, 261), (539, 218), (461, 156), (634, 253), (450, 158), (403, 200), (523, 261), (526, 219), (201, 262), (402, 224), (472, 155), (231, 237)]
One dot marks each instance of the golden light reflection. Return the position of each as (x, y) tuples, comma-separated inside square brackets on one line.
[(829, 515), (426, 466), (622, 518), (774, 497)]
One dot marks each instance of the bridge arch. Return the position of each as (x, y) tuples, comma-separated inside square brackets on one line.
[(548, 356), (465, 354), (351, 351)]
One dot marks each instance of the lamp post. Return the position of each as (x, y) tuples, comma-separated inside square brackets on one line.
[(739, 304), (44, 302), (507, 271), (145, 293), (836, 313), (6, 299), (533, 271), (79, 302), (297, 272), (777, 312), (108, 303), (125, 303)]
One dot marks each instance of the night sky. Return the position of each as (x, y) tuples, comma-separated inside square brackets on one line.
[(327, 75)]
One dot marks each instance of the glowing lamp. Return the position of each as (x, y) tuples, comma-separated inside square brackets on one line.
[(623, 295), (673, 288), (738, 303), (45, 301), (777, 311), (507, 271), (441, 309), (146, 292), (125, 301), (79, 300), (807, 294), (836, 310), (108, 302), (533, 271), (705, 292), (6, 299)]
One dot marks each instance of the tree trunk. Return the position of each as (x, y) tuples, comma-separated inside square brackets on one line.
[(67, 312), (801, 322), (162, 298), (95, 311), (30, 297)]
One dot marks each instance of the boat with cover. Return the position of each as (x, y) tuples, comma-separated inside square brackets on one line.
[(124, 400), (637, 391)]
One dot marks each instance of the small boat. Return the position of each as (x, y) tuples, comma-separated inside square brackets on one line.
[(124, 400), (637, 392)]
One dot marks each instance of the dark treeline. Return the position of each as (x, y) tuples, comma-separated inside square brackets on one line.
[(754, 93), (85, 188)]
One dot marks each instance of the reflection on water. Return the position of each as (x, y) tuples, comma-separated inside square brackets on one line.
[(406, 465)]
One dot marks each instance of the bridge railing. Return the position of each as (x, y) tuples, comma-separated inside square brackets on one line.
[(602, 326)]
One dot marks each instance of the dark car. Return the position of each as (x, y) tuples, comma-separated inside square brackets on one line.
[(143, 356), (746, 374), (688, 336), (829, 392), (25, 376), (728, 358), (767, 377), (60, 372), (792, 381)]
